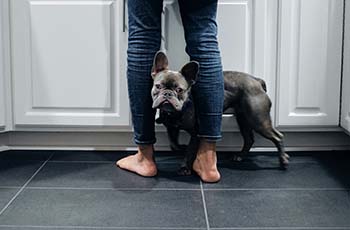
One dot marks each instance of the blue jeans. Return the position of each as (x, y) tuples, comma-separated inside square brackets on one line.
[(199, 21)]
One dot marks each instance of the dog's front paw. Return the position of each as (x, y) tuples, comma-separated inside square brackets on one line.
[(159, 120), (236, 158), (177, 148), (184, 171), (284, 161)]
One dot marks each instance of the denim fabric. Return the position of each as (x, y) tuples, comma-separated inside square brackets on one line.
[(199, 21)]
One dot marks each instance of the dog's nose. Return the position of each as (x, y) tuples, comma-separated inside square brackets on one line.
[(168, 94)]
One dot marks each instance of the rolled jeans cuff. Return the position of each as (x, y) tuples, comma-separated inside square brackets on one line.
[(139, 142), (211, 139)]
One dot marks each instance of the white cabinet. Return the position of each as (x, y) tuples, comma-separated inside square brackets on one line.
[(69, 60), (2, 89), (66, 69), (345, 113), (247, 31), (309, 68), (3, 63), (306, 88), (69, 63)]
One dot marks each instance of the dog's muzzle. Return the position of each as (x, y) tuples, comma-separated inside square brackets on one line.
[(167, 100)]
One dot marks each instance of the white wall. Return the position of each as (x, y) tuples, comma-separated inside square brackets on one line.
[(345, 118)]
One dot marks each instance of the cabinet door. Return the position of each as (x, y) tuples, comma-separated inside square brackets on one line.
[(247, 40), (2, 93), (2, 100), (69, 63), (310, 62), (345, 118), (2, 70)]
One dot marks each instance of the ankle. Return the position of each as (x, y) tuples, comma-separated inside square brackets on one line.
[(145, 152), (206, 148)]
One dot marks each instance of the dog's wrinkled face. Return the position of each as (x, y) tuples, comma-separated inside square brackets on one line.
[(171, 88)]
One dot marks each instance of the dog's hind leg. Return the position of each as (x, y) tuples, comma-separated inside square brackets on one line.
[(275, 131), (276, 137), (247, 134), (227, 100), (258, 113)]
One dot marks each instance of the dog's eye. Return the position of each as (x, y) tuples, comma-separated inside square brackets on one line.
[(179, 90), (158, 86)]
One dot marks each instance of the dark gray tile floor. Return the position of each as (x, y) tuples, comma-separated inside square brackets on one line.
[(85, 190)]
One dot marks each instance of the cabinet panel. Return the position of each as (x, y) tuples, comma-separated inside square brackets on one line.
[(87, 65), (69, 63), (345, 113), (247, 40), (235, 34), (310, 62), (2, 91), (2, 69)]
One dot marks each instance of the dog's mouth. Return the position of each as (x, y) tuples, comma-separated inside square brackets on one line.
[(166, 106)]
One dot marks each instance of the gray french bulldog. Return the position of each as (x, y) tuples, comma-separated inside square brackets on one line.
[(171, 93)]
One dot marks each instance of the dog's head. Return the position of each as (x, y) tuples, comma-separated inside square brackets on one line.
[(171, 89)]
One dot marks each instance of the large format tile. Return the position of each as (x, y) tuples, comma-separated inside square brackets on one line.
[(102, 156), (88, 155), (6, 195), (108, 175), (337, 165), (276, 208), (269, 159), (298, 175), (106, 208), (31, 155), (17, 173)]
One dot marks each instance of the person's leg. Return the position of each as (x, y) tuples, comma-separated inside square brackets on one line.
[(199, 20), (143, 42)]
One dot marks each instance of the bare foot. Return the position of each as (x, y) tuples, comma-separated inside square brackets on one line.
[(141, 163), (205, 163)]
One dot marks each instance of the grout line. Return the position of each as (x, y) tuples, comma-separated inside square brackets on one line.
[(283, 228), (115, 189), (204, 206), (179, 189), (10, 187), (22, 188), (276, 189), (96, 227), (220, 162), (22, 160), (275, 164), (189, 228), (108, 162), (94, 162), (167, 161)]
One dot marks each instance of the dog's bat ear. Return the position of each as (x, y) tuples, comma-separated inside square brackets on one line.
[(160, 63), (190, 71)]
